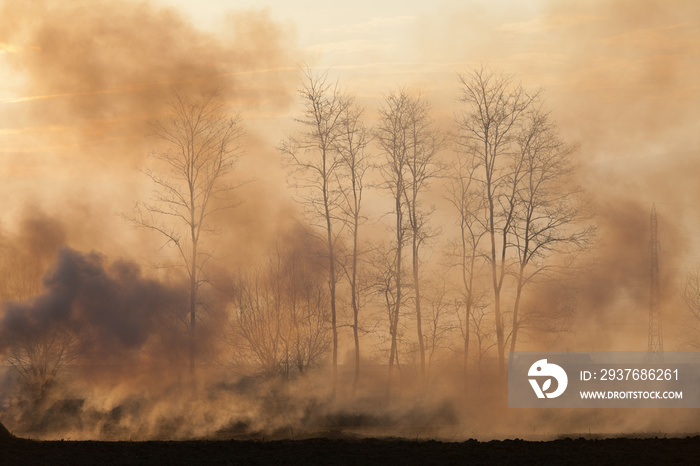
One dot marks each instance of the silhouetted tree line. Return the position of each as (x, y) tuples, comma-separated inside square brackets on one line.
[(398, 287)]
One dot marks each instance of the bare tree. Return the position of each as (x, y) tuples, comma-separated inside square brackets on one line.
[(394, 139), (465, 197), (307, 306), (314, 161), (521, 168), (201, 149), (258, 327), (38, 360), (422, 145), (488, 127), (547, 214), (280, 319), (439, 325), (385, 287), (484, 334), (352, 143)]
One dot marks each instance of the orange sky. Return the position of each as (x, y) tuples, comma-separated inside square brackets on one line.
[(82, 79), (614, 71)]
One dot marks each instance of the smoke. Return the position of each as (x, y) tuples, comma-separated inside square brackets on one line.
[(104, 67), (88, 77), (620, 80), (83, 294)]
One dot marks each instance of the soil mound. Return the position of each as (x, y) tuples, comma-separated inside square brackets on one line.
[(5, 434)]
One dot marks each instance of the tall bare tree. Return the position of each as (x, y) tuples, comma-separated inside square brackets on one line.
[(410, 143), (393, 135), (494, 106), (355, 161), (423, 144), (191, 184), (548, 214), (313, 158), (465, 197)]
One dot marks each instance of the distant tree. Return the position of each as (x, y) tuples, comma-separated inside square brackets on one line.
[(280, 312), (423, 142), (313, 158), (494, 107), (386, 286), (39, 359), (192, 183), (354, 165), (307, 304), (521, 169), (393, 136), (484, 337), (466, 198), (258, 326), (548, 217), (439, 328)]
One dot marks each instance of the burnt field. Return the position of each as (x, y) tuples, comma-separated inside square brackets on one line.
[(355, 451)]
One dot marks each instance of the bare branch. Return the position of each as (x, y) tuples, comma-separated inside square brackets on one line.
[(191, 183)]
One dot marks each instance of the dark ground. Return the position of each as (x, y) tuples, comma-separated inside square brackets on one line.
[(354, 451)]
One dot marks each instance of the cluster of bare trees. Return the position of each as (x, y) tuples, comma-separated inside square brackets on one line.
[(409, 142), (504, 172), (516, 207)]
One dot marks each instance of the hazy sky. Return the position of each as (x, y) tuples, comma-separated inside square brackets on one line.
[(82, 79), (636, 56)]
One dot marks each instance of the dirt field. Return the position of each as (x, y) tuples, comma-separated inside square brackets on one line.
[(354, 451)]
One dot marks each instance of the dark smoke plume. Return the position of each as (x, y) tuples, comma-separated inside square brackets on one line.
[(115, 303)]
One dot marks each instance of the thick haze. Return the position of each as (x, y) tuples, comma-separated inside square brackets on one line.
[(88, 78), (83, 80)]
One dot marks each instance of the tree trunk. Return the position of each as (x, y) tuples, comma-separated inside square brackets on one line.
[(392, 352), (193, 300), (467, 283), (331, 284), (397, 305), (419, 323), (465, 370), (355, 307), (516, 308), (496, 287)]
